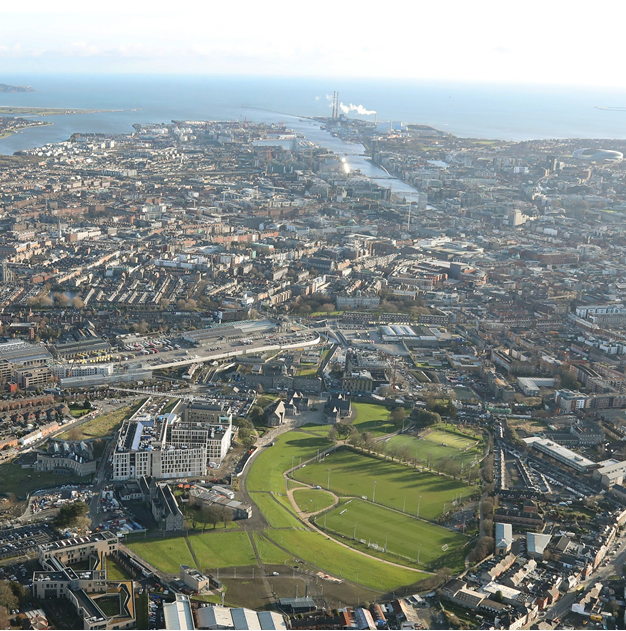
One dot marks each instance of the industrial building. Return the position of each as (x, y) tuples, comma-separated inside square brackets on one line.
[(178, 615), (21, 354), (216, 617), (611, 474), (562, 454), (213, 497), (531, 386), (504, 538)]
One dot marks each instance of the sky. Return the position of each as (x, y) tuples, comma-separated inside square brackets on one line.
[(547, 42)]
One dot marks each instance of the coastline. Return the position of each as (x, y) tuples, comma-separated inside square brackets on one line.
[(16, 130), (18, 110)]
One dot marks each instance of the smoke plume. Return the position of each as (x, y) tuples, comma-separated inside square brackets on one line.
[(359, 109)]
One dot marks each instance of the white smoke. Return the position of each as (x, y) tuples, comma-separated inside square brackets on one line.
[(359, 109)]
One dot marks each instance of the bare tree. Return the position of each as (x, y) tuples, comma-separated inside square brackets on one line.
[(60, 300)]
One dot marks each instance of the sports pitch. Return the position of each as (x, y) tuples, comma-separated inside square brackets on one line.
[(312, 500), (398, 486), (403, 535), (373, 419), (341, 562), (440, 444), (266, 473)]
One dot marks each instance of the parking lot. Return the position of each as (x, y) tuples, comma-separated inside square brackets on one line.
[(19, 541)]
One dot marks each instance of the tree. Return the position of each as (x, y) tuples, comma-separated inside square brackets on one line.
[(484, 547), (404, 453), (426, 417), (206, 516), (398, 416), (8, 598), (487, 468), (569, 381), (4, 618), (77, 303), (70, 515), (245, 435), (368, 441), (355, 439), (256, 413), (487, 507), (344, 430), (194, 515), (444, 408), (60, 300), (225, 515)]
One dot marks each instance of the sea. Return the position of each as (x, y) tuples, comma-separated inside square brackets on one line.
[(489, 111)]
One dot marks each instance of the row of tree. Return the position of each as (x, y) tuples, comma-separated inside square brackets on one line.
[(215, 514), (403, 453), (58, 300)]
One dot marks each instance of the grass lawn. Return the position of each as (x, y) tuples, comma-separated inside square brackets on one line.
[(170, 406), (529, 425), (274, 512), (318, 430), (312, 500), (307, 371), (110, 605), (353, 474), (14, 479), (339, 561), (115, 572), (270, 554), (166, 555), (292, 484), (373, 419), (266, 473), (440, 445), (103, 425), (141, 606), (284, 500), (265, 399), (78, 412), (223, 549), (405, 535)]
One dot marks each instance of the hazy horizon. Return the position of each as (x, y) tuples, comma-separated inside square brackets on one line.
[(479, 42)]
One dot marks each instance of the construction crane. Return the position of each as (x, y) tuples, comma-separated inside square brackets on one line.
[(74, 359)]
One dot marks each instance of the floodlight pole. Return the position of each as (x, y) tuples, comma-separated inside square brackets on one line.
[(354, 536), (374, 493), (328, 483), (419, 501)]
